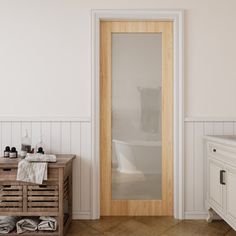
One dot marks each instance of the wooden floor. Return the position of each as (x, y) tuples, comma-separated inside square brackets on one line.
[(148, 226)]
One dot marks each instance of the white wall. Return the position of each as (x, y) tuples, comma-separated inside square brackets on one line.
[(45, 52), (45, 68)]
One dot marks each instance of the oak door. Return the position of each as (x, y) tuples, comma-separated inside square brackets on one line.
[(136, 117)]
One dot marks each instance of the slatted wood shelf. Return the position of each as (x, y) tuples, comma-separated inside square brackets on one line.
[(12, 213), (11, 198), (18, 198)]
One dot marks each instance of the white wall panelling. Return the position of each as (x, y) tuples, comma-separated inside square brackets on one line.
[(195, 129), (59, 137), (75, 137)]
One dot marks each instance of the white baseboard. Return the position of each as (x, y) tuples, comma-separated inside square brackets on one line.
[(190, 215), (195, 215), (81, 215)]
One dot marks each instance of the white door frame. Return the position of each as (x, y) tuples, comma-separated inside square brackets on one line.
[(159, 15)]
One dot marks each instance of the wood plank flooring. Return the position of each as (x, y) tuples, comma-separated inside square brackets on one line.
[(148, 226)]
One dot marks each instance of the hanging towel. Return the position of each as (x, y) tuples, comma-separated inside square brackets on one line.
[(47, 223), (150, 109), (27, 224), (7, 224), (33, 172), (37, 157)]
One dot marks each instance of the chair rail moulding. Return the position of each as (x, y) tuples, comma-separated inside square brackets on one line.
[(45, 118), (177, 17), (209, 118)]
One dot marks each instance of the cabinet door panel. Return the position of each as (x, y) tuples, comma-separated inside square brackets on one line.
[(231, 192), (215, 188)]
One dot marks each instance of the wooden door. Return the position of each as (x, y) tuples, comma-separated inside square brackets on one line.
[(109, 206)]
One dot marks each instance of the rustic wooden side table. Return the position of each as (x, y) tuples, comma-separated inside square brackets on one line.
[(52, 198)]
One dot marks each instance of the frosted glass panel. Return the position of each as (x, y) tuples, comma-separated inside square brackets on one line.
[(136, 116)]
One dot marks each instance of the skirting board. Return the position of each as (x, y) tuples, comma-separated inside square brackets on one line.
[(195, 215), (81, 216)]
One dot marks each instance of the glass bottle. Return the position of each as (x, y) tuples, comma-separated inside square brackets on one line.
[(25, 144)]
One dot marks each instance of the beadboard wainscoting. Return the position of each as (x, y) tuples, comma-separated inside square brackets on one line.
[(195, 129), (73, 136), (61, 136)]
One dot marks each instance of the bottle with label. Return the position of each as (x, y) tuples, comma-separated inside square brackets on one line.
[(7, 152), (13, 153), (25, 144)]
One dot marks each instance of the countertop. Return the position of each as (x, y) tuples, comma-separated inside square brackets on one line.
[(223, 139), (62, 161)]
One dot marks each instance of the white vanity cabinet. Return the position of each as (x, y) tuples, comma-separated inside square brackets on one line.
[(215, 187), (231, 193), (221, 178)]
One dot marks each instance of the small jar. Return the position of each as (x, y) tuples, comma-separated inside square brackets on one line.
[(7, 152), (40, 150), (13, 153)]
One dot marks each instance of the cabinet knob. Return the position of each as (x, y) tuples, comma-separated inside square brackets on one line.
[(214, 150)]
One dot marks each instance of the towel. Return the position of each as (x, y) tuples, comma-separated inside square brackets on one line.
[(7, 224), (27, 224), (150, 110), (37, 157), (33, 172), (47, 223)]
